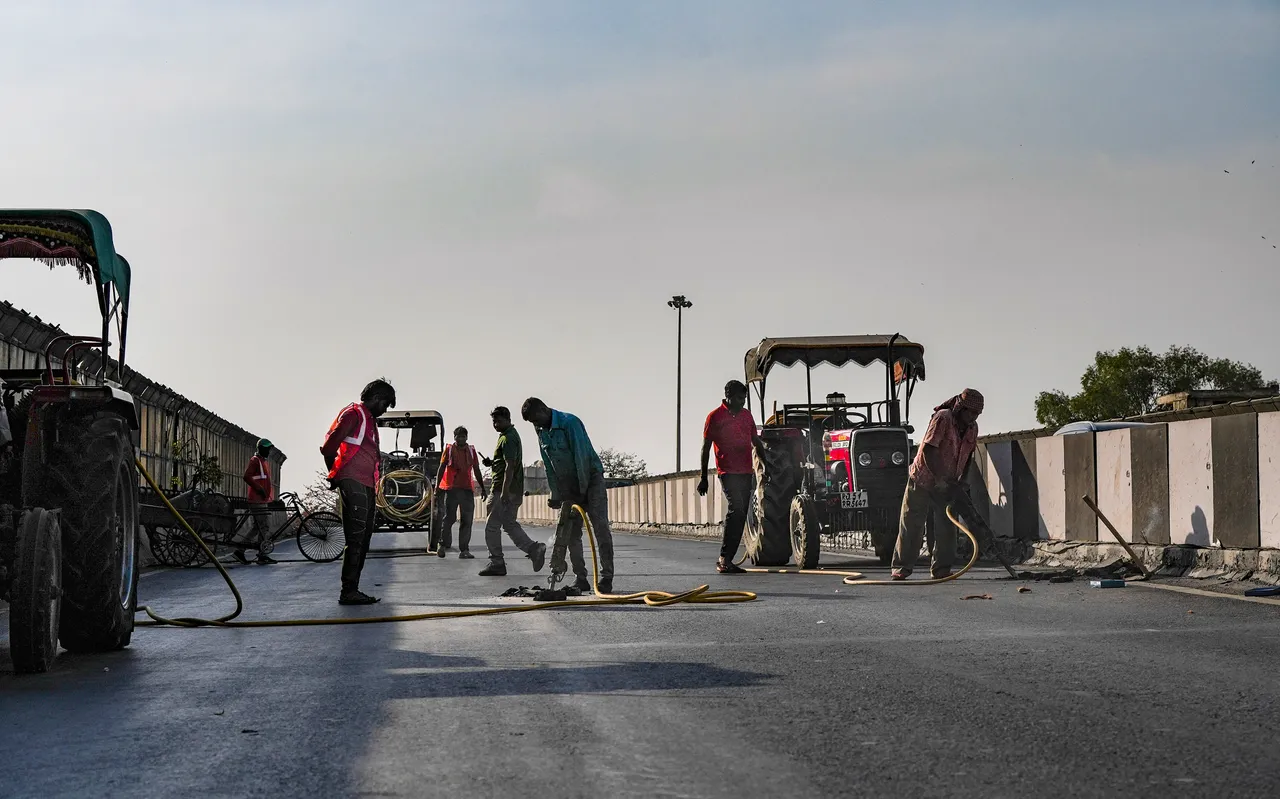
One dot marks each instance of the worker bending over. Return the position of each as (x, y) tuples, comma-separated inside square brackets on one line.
[(257, 475), (935, 476), (732, 431), (575, 477), (507, 466), (459, 463), (351, 453)]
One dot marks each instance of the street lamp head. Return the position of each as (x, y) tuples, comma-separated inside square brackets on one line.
[(679, 301)]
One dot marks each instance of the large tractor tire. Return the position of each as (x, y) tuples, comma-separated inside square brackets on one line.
[(83, 464), (36, 595), (768, 539), (806, 540)]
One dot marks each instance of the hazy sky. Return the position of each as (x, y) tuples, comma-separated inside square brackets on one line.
[(487, 200)]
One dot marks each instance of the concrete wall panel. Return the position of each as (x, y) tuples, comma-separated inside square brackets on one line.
[(1025, 495), (1191, 482), (1269, 479), (1149, 463), (1080, 480), (1051, 482), (1235, 480), (999, 479), (1115, 483)]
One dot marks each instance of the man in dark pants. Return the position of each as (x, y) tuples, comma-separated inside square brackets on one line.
[(257, 475), (575, 477), (732, 431), (354, 460), (508, 492), (458, 476)]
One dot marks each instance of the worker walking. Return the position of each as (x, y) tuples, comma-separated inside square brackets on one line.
[(575, 477), (934, 477), (352, 456), (507, 466), (459, 463), (257, 475), (732, 431)]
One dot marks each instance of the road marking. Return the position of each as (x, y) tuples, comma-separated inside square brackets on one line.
[(1201, 592)]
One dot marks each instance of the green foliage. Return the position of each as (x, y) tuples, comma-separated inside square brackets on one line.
[(622, 465), (1127, 382), (192, 468)]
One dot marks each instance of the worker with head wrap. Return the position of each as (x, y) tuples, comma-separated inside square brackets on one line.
[(935, 476)]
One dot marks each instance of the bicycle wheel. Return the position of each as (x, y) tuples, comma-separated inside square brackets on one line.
[(321, 537)]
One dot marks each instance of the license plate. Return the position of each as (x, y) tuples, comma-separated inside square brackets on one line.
[(853, 499)]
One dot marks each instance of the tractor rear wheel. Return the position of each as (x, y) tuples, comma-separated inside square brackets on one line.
[(768, 535), (83, 464), (36, 593), (806, 541)]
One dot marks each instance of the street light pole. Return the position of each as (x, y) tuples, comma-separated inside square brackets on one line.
[(679, 303)]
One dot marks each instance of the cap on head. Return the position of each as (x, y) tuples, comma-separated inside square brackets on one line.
[(264, 443)]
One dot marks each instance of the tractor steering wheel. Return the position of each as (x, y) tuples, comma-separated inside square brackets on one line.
[(398, 455)]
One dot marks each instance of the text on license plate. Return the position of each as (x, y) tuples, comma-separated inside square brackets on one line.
[(853, 499)]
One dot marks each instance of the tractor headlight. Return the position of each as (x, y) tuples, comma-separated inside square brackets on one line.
[(899, 459), (864, 459)]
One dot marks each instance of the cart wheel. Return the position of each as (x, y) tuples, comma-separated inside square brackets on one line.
[(321, 537), (161, 546), (197, 556)]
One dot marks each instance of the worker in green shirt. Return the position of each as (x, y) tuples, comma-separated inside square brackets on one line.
[(507, 466)]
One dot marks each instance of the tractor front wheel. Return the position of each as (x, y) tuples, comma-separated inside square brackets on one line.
[(36, 600)]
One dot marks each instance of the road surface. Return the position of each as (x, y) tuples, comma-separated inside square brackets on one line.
[(817, 689)]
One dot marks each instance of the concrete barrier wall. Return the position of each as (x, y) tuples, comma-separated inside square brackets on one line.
[(1211, 482)]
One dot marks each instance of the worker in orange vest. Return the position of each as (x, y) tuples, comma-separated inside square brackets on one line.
[(458, 477), (257, 475), (354, 461)]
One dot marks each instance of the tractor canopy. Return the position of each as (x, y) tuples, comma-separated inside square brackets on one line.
[(907, 357), (80, 239)]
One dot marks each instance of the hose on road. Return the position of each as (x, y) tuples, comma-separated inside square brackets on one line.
[(856, 578), (653, 598)]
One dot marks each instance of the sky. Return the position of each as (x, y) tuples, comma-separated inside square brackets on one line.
[(489, 200)]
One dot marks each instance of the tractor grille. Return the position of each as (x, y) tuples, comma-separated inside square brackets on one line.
[(884, 482)]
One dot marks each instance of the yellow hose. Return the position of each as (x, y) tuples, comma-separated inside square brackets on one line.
[(412, 515), (855, 578), (699, 595)]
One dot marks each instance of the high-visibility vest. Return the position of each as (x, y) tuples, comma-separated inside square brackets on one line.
[(446, 480), (260, 473), (366, 436)]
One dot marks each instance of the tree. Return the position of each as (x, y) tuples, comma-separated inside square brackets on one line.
[(622, 465), (318, 496), (1127, 382)]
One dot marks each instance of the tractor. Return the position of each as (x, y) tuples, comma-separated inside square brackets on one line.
[(68, 475), (835, 467), (405, 496)]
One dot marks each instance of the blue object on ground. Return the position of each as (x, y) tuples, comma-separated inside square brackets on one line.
[(1269, 590)]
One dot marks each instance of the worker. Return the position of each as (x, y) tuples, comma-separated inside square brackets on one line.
[(934, 477), (352, 456), (458, 465), (575, 476), (257, 475), (507, 466), (732, 431)]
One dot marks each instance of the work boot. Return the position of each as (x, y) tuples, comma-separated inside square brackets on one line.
[(466, 555), (266, 560), (582, 584), (941, 574), (440, 551), (355, 597), (238, 554), (494, 570), (539, 556), (726, 566), (605, 585)]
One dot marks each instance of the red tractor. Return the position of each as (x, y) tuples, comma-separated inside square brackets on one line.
[(68, 443), (836, 467)]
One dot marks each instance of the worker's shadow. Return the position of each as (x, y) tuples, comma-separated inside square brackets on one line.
[(436, 677)]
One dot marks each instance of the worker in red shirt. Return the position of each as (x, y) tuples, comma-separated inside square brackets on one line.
[(352, 456), (732, 431), (257, 475), (934, 477), (459, 463)]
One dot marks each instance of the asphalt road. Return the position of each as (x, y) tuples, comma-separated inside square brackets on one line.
[(817, 689)]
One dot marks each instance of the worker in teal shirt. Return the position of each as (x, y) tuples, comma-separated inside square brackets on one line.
[(575, 477)]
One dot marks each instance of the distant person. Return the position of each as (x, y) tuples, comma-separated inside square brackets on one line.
[(732, 431), (354, 461), (575, 477), (507, 466), (257, 475), (457, 477), (934, 477)]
